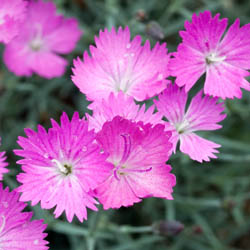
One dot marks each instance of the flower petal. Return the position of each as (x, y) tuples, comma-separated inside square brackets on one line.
[(204, 113), (115, 193), (157, 182), (228, 78), (198, 148), (120, 105), (171, 104)]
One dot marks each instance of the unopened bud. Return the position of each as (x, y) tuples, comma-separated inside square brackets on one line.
[(168, 228), (141, 15), (154, 30)]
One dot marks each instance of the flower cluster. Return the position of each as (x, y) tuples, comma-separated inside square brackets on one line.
[(69, 166), (118, 155)]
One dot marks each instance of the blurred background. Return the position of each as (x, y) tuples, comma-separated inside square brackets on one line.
[(211, 206)]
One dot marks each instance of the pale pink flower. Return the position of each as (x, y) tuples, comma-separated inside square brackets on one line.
[(203, 113), (16, 229), (12, 13), (225, 60), (62, 167), (3, 164), (44, 35), (118, 64), (120, 104), (138, 154)]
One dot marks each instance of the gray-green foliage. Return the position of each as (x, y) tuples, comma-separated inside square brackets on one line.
[(212, 200)]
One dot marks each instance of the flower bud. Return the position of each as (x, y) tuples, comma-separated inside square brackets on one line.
[(168, 228), (154, 30)]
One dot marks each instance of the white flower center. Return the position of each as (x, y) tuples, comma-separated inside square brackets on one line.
[(123, 78), (65, 168), (36, 44), (213, 58), (182, 127)]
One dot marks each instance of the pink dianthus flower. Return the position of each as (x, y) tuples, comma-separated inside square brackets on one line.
[(203, 114), (203, 50), (16, 229), (44, 34), (120, 104), (62, 167), (12, 13), (138, 154), (118, 64), (3, 164)]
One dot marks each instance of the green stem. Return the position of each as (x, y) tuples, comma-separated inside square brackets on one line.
[(128, 229), (91, 243)]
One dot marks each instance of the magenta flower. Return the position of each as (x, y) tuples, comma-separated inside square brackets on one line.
[(16, 229), (138, 154), (203, 50), (118, 64), (3, 164), (12, 13), (120, 104), (44, 34), (203, 114), (62, 167)]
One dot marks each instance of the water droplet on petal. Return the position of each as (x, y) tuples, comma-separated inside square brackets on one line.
[(46, 155), (84, 148), (128, 45), (140, 128), (160, 77), (132, 54), (36, 242)]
